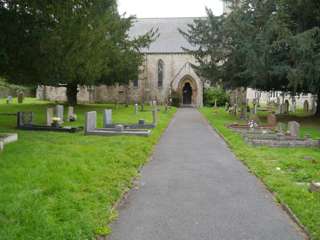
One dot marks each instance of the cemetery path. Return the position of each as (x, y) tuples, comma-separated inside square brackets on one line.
[(195, 189)]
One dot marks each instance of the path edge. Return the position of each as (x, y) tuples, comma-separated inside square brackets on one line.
[(135, 182), (283, 206)]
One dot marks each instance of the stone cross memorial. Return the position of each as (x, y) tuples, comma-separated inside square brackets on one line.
[(294, 129)]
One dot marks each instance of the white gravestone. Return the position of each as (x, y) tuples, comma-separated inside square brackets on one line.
[(107, 117), (60, 112), (50, 113), (90, 121)]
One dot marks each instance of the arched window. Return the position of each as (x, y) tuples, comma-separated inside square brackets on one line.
[(160, 73)]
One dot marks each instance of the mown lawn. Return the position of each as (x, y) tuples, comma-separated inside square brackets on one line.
[(62, 185), (285, 171)]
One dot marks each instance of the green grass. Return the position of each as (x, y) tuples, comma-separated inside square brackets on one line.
[(290, 183), (62, 185)]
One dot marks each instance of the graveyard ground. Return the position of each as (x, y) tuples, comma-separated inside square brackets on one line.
[(62, 185), (285, 171)]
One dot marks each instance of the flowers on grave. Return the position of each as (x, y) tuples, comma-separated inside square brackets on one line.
[(56, 121), (252, 124), (73, 118)]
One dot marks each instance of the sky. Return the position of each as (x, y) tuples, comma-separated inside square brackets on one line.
[(169, 8)]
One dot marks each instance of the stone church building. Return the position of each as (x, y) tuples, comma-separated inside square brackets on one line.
[(166, 69)]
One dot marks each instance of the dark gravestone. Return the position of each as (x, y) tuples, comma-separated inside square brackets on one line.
[(272, 120), (306, 106), (20, 97)]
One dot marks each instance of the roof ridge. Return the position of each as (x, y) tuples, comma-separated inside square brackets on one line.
[(170, 17)]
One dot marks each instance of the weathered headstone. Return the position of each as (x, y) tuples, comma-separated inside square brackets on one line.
[(50, 113), (215, 103), (315, 187), (281, 127), (90, 121), (119, 128), (286, 107), (154, 117), (71, 115), (1, 146), (9, 99), (24, 118), (306, 106), (227, 106), (60, 113), (20, 97), (294, 129), (136, 109), (107, 117), (272, 120)]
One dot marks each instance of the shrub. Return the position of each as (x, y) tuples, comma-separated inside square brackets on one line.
[(215, 93), (175, 99)]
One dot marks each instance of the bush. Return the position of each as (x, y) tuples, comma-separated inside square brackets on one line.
[(175, 99), (215, 93)]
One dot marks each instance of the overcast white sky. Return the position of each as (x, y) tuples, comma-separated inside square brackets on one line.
[(169, 8)]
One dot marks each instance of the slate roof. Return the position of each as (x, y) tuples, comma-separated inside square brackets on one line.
[(170, 39)]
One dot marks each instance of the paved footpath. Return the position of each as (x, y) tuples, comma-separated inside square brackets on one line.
[(195, 189)]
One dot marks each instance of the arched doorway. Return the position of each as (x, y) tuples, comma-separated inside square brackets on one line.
[(187, 94)]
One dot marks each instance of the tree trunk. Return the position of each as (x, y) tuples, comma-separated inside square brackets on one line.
[(72, 92), (318, 105)]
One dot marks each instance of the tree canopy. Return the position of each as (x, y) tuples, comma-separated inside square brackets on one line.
[(74, 42), (268, 45)]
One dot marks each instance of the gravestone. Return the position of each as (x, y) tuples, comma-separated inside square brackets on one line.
[(141, 122), (272, 120), (25, 118), (281, 127), (227, 106), (294, 129), (154, 117), (286, 107), (50, 113), (71, 115), (136, 109), (119, 128), (107, 117), (20, 97), (90, 122), (60, 113), (315, 187), (9, 99), (306, 106), (1, 146)]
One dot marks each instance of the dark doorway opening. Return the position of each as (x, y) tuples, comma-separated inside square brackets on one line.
[(187, 94)]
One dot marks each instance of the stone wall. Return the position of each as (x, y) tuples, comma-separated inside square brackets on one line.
[(176, 69)]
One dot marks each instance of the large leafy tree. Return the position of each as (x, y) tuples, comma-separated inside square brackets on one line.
[(74, 42), (268, 45)]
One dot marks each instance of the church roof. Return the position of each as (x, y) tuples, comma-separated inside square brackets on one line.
[(170, 39)]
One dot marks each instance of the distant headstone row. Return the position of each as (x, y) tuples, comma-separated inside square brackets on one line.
[(91, 128)]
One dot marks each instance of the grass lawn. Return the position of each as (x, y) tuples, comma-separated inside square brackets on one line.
[(62, 185), (290, 183)]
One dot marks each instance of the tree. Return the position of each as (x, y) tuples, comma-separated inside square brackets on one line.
[(268, 45), (75, 42)]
